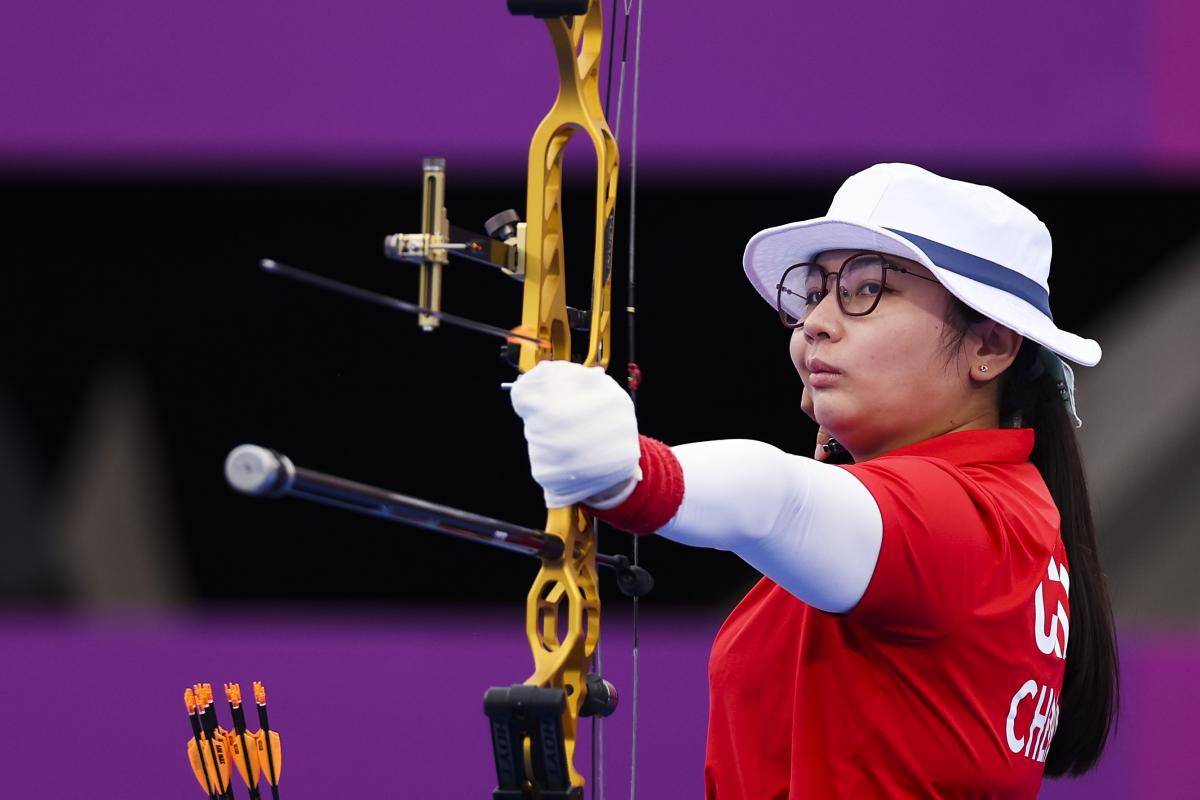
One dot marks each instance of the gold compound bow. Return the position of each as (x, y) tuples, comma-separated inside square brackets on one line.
[(534, 724)]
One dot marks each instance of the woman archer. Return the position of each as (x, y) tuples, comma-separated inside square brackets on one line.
[(933, 620)]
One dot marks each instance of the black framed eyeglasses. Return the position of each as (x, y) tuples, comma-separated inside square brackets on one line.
[(858, 285)]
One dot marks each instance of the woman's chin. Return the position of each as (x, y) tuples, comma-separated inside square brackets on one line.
[(833, 416)]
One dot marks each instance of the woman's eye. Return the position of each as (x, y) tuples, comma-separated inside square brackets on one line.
[(869, 289), (814, 296)]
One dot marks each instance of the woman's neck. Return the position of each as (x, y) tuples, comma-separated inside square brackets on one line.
[(982, 420)]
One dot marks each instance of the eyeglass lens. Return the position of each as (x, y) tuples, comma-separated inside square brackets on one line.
[(859, 285)]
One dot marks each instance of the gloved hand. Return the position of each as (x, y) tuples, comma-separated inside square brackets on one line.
[(581, 430)]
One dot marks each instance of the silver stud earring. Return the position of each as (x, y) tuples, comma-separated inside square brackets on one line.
[(983, 367)]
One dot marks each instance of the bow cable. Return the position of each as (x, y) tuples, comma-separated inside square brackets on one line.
[(634, 373)]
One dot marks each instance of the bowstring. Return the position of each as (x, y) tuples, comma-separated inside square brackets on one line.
[(630, 309)]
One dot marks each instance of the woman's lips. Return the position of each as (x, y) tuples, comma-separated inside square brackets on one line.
[(822, 375), (823, 380)]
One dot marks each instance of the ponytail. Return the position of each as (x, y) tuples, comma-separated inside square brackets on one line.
[(1090, 691)]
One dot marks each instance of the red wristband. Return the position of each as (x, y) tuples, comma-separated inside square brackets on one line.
[(657, 497)]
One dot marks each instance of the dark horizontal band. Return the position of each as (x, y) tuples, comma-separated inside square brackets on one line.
[(980, 269)]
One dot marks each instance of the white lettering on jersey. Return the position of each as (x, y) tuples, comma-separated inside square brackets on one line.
[(1035, 743), (1047, 640), (1028, 689), (1039, 722), (1051, 727)]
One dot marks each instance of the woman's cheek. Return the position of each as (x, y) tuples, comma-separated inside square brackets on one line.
[(797, 346)]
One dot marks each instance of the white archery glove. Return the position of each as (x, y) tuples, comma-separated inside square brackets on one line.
[(582, 433)]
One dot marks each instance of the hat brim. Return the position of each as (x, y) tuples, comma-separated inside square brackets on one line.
[(770, 252)]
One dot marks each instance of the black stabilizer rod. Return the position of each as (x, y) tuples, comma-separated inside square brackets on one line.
[(256, 470)]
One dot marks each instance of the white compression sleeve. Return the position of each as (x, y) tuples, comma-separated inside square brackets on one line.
[(813, 528)]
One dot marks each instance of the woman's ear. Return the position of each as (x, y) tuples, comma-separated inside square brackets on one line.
[(991, 349)]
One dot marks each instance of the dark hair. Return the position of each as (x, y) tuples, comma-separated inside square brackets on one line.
[(1090, 691)]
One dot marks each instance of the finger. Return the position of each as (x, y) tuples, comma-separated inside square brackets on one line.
[(820, 453)]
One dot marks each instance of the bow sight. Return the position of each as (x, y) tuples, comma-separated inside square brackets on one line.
[(533, 724)]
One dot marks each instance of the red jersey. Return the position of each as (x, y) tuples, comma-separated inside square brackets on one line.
[(944, 680)]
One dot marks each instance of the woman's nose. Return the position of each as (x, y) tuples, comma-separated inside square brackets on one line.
[(824, 321)]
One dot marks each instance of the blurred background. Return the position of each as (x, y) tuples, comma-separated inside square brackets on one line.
[(151, 155)]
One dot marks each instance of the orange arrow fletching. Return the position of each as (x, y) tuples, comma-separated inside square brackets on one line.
[(271, 763), (241, 754), (202, 766), (523, 333), (222, 755)]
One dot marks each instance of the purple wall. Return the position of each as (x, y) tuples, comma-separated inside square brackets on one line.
[(365, 707), (392, 706), (1071, 85)]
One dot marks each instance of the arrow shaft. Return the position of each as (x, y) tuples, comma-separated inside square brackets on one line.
[(375, 298), (265, 724), (251, 777)]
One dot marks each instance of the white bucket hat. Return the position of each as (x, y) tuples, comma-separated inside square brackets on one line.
[(987, 249)]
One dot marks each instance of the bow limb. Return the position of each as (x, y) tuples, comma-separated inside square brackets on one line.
[(577, 47)]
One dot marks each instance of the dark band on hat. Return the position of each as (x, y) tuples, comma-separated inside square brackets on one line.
[(986, 272)]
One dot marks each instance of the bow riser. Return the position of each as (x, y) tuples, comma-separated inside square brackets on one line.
[(563, 606)]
